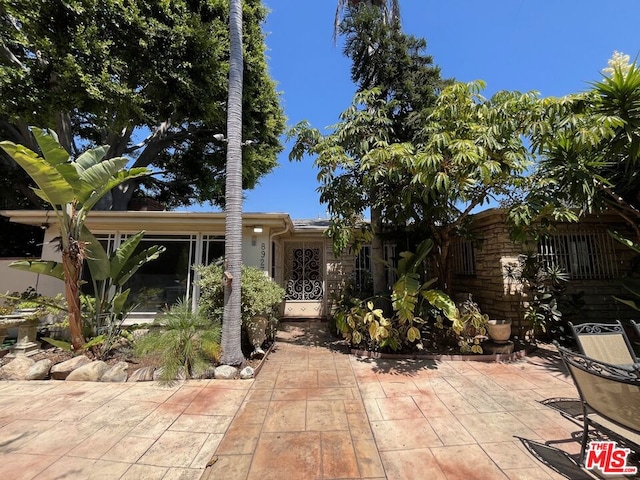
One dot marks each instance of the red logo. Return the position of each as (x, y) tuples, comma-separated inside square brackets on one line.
[(609, 458)]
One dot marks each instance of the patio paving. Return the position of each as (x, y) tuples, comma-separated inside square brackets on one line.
[(313, 412)]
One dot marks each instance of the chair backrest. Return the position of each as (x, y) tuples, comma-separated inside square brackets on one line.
[(608, 390), (606, 342)]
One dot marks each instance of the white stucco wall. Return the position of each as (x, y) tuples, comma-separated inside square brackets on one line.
[(256, 249)]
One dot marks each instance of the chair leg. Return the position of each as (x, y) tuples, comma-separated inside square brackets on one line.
[(585, 438)]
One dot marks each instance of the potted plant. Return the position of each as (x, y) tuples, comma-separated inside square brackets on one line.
[(499, 330)]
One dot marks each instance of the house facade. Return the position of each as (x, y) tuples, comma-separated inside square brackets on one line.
[(594, 262), (298, 255)]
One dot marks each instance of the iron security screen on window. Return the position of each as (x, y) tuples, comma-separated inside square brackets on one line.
[(581, 255)]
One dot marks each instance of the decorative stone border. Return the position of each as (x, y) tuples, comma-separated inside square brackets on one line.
[(497, 357)]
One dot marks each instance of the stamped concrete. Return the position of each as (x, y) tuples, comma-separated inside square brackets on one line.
[(313, 412)]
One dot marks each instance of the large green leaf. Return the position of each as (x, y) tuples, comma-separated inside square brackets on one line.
[(53, 181), (119, 301), (629, 303), (97, 258), (44, 267), (91, 157), (443, 302), (136, 262), (409, 261), (52, 151), (120, 177), (122, 254), (94, 178)]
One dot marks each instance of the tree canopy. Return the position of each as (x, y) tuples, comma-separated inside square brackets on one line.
[(588, 146), (147, 78)]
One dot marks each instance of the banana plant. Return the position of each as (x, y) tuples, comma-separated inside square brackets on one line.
[(72, 187)]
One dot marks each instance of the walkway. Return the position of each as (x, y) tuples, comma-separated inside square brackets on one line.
[(312, 413)]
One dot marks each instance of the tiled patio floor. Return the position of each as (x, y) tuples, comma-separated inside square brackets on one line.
[(313, 412)]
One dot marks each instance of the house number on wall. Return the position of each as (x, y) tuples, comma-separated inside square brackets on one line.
[(263, 254)]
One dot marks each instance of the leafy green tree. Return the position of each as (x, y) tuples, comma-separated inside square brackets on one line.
[(149, 79), (389, 9), (589, 150), (232, 316), (72, 189), (396, 82), (472, 153)]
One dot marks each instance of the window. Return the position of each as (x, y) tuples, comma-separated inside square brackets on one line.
[(363, 280), (390, 256), (581, 255), (463, 261), (163, 281), (363, 273)]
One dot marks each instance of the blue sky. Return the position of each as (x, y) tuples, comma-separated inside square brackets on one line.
[(553, 47)]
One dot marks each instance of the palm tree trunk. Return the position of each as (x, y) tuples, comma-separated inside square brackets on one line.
[(232, 321)]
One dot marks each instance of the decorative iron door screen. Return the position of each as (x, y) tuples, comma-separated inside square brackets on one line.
[(303, 271)]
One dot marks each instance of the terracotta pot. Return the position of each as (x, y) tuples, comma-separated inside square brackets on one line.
[(499, 330)]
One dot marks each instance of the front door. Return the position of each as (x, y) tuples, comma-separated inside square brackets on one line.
[(304, 280)]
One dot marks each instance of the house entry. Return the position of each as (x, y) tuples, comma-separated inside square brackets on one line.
[(303, 277)]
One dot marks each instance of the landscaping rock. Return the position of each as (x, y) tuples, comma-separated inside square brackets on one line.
[(91, 372), (16, 369), (144, 374), (117, 373), (247, 372), (60, 371), (39, 370), (225, 372)]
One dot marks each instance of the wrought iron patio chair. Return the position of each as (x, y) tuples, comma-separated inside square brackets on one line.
[(606, 342), (610, 396)]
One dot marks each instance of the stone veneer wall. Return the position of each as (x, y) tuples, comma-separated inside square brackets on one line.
[(339, 270), (497, 297)]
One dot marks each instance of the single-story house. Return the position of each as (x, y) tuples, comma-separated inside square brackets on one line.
[(299, 256)]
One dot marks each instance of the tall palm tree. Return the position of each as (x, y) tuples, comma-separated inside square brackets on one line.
[(232, 323), (389, 8)]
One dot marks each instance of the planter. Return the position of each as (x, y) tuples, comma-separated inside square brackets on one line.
[(257, 332), (499, 330)]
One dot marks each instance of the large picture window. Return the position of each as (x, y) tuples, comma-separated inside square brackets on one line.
[(159, 283)]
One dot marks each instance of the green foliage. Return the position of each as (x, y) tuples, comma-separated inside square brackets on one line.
[(361, 162), (108, 307), (630, 284), (589, 150), (184, 340), (470, 327), (72, 188), (148, 78), (542, 286), (259, 294), (361, 324)]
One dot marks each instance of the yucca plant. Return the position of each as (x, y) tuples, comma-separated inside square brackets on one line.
[(185, 340)]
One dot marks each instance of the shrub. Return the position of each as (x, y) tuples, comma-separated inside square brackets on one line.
[(185, 341), (260, 294)]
